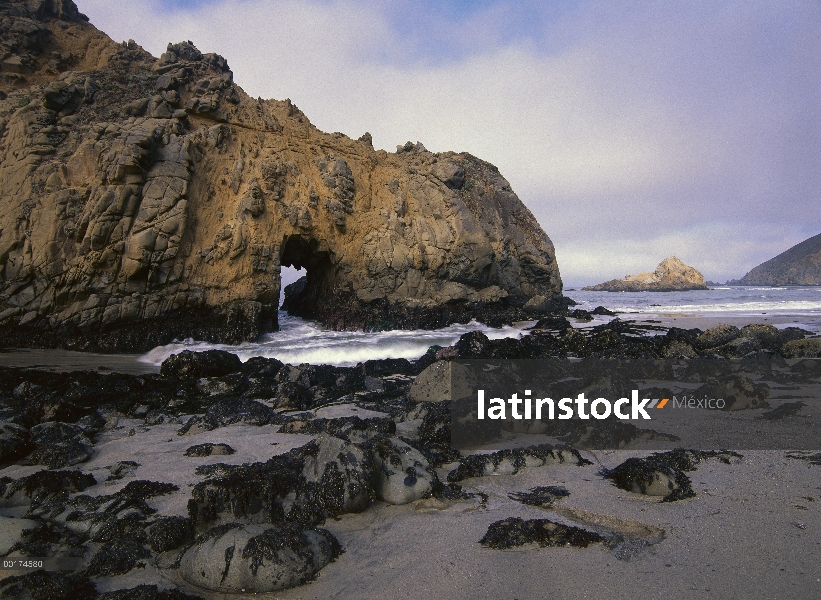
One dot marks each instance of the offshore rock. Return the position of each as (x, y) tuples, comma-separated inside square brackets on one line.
[(146, 200), (671, 275)]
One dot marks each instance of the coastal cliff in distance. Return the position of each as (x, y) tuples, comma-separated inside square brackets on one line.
[(800, 265), (146, 200), (671, 275)]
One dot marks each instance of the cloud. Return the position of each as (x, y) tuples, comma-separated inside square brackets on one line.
[(632, 130)]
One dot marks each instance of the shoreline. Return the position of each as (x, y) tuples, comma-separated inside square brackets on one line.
[(211, 445)]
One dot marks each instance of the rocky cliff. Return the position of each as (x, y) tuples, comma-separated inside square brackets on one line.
[(671, 275), (149, 199), (800, 265)]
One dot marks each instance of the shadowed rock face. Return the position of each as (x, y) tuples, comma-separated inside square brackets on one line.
[(671, 275), (148, 199)]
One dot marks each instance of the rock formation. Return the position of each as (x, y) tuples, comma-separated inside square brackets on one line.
[(150, 199), (800, 265), (671, 275)]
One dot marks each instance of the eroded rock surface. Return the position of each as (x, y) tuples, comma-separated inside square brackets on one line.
[(150, 199)]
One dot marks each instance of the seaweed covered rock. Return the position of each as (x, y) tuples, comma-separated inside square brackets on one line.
[(509, 462), (807, 348), (59, 445), (42, 485), (48, 585), (663, 473), (401, 473), (257, 558), (326, 477), (193, 365), (167, 533), (209, 449), (515, 532), (717, 336), (117, 557), (351, 428), (543, 496)]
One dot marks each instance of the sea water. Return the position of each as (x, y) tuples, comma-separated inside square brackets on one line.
[(299, 341)]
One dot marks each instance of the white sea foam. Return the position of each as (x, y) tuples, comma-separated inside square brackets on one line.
[(300, 341)]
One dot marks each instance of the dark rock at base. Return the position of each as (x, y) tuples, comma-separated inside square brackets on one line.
[(167, 533), (147, 592), (514, 532), (193, 365), (202, 450), (600, 310), (472, 344), (48, 585)]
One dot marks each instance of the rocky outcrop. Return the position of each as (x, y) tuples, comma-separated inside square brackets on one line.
[(800, 265), (671, 275), (150, 199)]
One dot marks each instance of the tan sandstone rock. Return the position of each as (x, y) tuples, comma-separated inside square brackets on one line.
[(671, 275), (150, 199)]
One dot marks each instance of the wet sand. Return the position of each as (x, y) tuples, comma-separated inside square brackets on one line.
[(67, 360)]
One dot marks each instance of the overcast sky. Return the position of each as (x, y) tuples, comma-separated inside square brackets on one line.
[(632, 130)]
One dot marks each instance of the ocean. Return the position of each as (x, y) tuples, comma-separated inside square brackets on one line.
[(300, 341)]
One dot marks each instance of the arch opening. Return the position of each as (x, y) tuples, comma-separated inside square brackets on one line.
[(303, 297)]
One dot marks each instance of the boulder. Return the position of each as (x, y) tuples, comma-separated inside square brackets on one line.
[(257, 558), (194, 365), (401, 473), (717, 336), (807, 348), (59, 445)]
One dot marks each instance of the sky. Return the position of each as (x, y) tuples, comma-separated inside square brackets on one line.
[(632, 130)]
